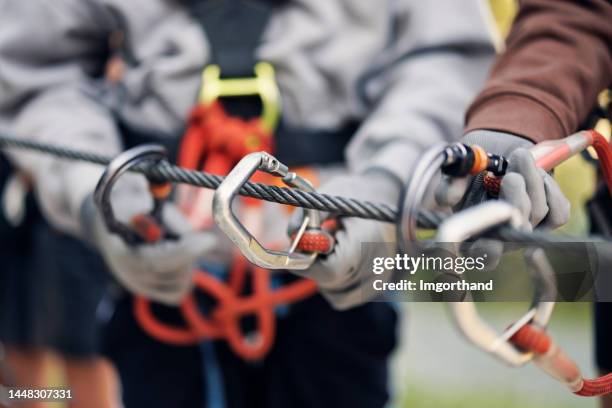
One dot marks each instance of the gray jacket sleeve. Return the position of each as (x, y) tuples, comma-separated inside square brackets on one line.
[(437, 59), (49, 51)]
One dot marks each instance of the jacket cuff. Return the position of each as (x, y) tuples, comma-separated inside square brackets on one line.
[(516, 114), (61, 201)]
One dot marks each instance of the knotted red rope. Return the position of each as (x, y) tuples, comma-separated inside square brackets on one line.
[(214, 142), (552, 359), (231, 306)]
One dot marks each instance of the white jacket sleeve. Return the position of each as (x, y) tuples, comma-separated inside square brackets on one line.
[(49, 53), (438, 58)]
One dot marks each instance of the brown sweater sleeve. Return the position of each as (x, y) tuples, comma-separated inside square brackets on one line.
[(558, 58)]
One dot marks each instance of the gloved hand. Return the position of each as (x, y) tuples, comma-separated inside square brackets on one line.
[(340, 275), (527, 187), (161, 271), (532, 190)]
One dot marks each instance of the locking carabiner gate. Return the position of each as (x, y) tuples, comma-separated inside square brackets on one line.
[(244, 240), (460, 160)]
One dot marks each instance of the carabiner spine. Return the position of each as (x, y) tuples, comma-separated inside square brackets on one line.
[(225, 218), (470, 223)]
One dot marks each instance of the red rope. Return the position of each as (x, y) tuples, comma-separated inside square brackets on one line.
[(604, 153), (224, 320), (537, 341), (598, 142), (596, 387), (531, 339), (214, 142)]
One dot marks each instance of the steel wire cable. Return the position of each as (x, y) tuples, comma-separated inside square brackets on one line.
[(341, 206)]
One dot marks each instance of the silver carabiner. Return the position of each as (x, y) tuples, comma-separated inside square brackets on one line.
[(237, 233), (471, 222), (457, 160), (414, 195), (136, 233)]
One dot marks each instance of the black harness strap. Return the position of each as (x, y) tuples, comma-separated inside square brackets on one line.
[(234, 29), (309, 146)]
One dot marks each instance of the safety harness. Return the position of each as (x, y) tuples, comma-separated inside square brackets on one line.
[(237, 113)]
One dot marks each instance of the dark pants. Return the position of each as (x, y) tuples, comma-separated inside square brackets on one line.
[(321, 358), (50, 286)]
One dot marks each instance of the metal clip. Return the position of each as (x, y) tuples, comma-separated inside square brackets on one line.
[(144, 228), (471, 222), (414, 196), (248, 245)]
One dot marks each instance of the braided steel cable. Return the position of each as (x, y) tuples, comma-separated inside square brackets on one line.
[(340, 206), (166, 172)]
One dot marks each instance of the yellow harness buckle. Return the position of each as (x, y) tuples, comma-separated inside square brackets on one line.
[(263, 84)]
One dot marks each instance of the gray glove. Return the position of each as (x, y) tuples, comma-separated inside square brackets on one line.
[(532, 190), (161, 271), (342, 275), (527, 187)]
